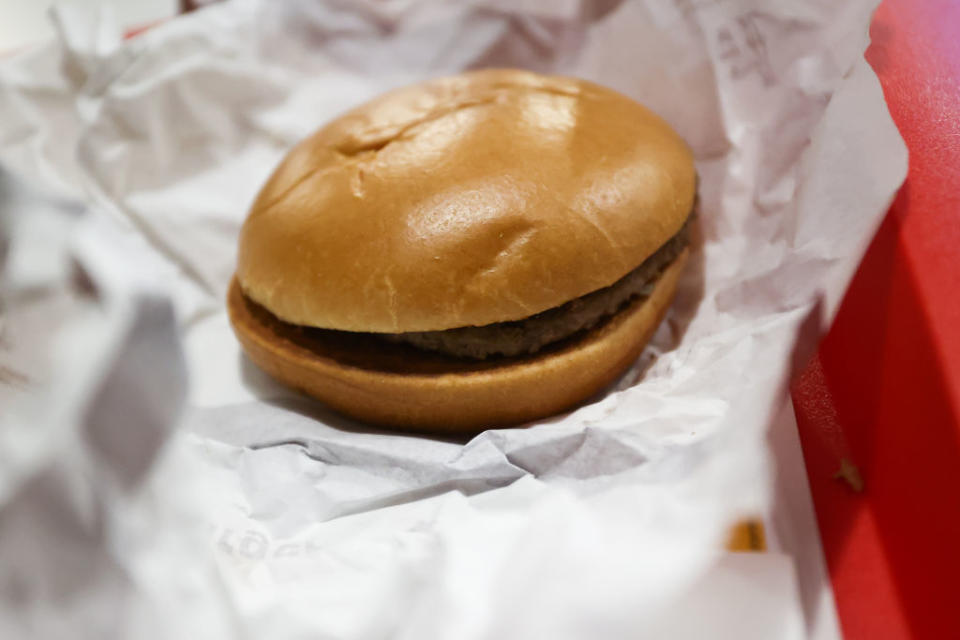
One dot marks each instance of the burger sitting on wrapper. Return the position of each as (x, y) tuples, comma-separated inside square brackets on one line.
[(475, 251)]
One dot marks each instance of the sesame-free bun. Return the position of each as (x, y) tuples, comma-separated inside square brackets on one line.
[(475, 199), (398, 386)]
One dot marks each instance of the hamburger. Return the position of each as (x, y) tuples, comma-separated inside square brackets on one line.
[(474, 251)]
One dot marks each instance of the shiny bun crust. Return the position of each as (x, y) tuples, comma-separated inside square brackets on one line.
[(399, 386), (480, 198)]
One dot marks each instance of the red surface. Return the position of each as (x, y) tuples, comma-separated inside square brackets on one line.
[(884, 391)]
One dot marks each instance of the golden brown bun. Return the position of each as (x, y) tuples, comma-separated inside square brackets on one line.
[(398, 386), (480, 198)]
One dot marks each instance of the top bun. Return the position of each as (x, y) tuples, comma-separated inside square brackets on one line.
[(484, 197)]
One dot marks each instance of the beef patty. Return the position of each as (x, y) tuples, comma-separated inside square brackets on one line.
[(529, 335)]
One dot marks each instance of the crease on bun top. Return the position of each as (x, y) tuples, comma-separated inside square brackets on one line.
[(464, 201)]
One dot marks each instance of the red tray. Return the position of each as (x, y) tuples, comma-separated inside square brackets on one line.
[(884, 390)]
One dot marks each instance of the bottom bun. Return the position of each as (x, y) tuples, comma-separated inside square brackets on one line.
[(398, 386)]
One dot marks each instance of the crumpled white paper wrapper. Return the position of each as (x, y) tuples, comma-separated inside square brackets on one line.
[(154, 484)]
